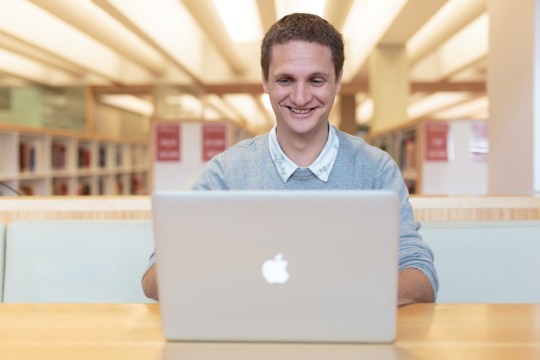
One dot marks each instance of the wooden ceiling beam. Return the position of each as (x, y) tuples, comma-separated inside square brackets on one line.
[(207, 16), (414, 15), (336, 12), (267, 12)]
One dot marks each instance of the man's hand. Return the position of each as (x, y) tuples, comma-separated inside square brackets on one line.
[(414, 287), (149, 283)]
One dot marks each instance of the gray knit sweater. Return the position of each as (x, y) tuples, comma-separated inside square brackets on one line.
[(248, 166)]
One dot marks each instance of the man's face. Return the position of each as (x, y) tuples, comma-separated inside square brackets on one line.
[(302, 85)]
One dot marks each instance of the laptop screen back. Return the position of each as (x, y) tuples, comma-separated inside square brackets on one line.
[(277, 265)]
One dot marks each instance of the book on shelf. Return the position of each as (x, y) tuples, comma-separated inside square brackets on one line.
[(408, 154), (137, 184), (84, 188), (101, 186), (27, 157), (58, 156), (27, 190), (119, 185), (60, 187), (411, 186), (84, 156), (102, 157), (118, 157)]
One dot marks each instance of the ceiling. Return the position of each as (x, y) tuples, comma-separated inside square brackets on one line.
[(185, 46)]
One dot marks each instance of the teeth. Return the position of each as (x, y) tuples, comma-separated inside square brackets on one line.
[(300, 111)]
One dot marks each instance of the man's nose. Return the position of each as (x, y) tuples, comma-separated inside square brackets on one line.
[(301, 94)]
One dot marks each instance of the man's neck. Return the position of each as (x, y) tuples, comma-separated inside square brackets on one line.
[(304, 150)]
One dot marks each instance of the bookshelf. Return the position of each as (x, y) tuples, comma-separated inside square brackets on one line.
[(402, 143), (46, 162), (439, 157)]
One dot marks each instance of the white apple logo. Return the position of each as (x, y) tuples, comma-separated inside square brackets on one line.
[(274, 270)]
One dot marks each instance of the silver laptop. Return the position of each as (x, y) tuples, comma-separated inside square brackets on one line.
[(278, 266)]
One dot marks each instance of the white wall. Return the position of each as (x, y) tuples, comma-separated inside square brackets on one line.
[(180, 175), (460, 175)]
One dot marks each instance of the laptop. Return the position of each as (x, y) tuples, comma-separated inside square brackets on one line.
[(277, 266)]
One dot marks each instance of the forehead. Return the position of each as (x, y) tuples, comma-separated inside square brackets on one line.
[(301, 56)]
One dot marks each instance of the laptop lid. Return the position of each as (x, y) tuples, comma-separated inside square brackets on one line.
[(301, 266)]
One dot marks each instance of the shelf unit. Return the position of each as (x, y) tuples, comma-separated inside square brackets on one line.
[(462, 170), (403, 144), (47, 162)]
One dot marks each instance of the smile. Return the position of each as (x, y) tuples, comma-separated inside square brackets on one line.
[(299, 111)]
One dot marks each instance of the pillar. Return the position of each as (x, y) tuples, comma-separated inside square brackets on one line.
[(388, 86), (513, 84)]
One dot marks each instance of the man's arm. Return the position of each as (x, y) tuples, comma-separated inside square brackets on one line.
[(417, 278), (414, 287), (149, 283)]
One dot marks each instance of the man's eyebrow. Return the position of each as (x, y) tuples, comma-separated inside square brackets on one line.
[(320, 74), (281, 75), (315, 74)]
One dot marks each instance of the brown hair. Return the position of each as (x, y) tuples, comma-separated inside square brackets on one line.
[(303, 27)]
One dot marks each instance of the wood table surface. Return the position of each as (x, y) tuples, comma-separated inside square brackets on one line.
[(133, 331)]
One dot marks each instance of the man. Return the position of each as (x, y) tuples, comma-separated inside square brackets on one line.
[(302, 58)]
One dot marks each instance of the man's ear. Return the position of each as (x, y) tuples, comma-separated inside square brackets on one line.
[(338, 82), (265, 84)]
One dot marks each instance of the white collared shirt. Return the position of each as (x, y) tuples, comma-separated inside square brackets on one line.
[(321, 167)]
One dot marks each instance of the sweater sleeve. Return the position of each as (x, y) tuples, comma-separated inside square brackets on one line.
[(212, 177), (414, 252)]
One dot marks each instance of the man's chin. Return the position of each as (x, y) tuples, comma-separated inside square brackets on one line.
[(303, 129)]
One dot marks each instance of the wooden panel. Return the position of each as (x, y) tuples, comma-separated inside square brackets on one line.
[(75, 208), (476, 208), (139, 208)]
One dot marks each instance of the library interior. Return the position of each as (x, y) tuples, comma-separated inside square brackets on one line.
[(104, 102)]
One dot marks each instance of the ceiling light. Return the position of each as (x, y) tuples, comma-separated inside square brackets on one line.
[(367, 22), (169, 26), (129, 103), (173, 99), (474, 109), (435, 102), (84, 16), (454, 15), (241, 18), (211, 114), (285, 7), (467, 47), (35, 26), (31, 70)]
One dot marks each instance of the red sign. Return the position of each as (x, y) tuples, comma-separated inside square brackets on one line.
[(214, 140), (436, 141), (168, 142)]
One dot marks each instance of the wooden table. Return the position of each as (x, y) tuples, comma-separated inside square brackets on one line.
[(132, 331)]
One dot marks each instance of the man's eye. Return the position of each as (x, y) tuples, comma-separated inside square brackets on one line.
[(317, 82), (284, 82)]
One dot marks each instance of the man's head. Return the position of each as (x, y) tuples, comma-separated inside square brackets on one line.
[(303, 27), (302, 61)]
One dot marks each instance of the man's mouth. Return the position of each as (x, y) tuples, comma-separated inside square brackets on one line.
[(299, 111)]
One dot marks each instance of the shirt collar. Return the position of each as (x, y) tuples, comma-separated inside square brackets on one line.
[(321, 167)]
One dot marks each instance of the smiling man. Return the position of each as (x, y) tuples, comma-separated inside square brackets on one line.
[(302, 58)]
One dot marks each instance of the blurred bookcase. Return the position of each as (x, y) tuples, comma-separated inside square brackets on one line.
[(462, 168), (403, 144), (47, 162)]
